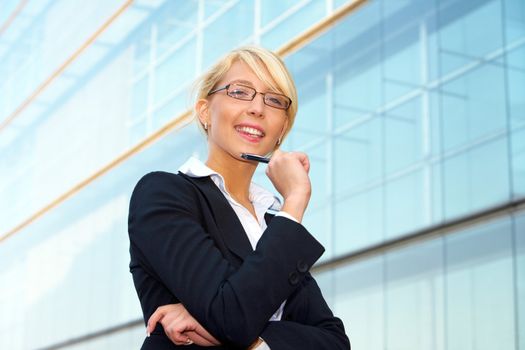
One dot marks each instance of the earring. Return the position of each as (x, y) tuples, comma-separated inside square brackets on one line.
[(205, 125), (279, 141)]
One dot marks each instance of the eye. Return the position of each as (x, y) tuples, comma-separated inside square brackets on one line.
[(240, 92), (276, 100)]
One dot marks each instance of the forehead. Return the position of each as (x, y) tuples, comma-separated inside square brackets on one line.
[(241, 72)]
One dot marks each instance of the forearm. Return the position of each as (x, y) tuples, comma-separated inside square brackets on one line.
[(286, 335)]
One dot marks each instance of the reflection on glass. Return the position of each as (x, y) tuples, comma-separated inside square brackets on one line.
[(480, 288), (519, 238), (414, 297), (359, 301), (358, 221), (467, 177)]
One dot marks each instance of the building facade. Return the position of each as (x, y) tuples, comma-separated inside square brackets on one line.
[(412, 112)]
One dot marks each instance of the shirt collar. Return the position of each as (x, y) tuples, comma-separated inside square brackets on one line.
[(258, 195)]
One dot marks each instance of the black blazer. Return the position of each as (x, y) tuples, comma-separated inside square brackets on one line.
[(187, 245)]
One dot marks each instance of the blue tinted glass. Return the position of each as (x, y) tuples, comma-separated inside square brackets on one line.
[(407, 205), (467, 177), (517, 140), (405, 140), (516, 86), (231, 29), (359, 301), (176, 70), (414, 297), (300, 19), (479, 290), (176, 21), (357, 68), (359, 221), (402, 49), (470, 30), (272, 10), (471, 110), (358, 155), (514, 20), (519, 234)]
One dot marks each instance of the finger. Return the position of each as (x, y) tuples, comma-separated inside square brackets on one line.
[(199, 340), (154, 318), (202, 332), (303, 158), (176, 334), (306, 163)]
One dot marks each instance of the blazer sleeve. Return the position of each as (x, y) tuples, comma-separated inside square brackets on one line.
[(310, 325), (233, 304)]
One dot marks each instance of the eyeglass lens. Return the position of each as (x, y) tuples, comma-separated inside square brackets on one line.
[(247, 93)]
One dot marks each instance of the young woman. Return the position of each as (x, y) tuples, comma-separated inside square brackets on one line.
[(211, 266)]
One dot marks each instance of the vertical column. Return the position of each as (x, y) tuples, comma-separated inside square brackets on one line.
[(151, 77), (257, 22), (425, 123), (199, 38)]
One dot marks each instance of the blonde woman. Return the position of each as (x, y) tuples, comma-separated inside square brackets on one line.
[(210, 265)]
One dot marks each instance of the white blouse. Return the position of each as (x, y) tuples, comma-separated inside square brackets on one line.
[(261, 199)]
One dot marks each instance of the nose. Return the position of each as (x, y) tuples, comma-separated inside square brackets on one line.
[(256, 107)]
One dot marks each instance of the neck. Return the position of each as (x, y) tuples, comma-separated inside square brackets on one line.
[(236, 173)]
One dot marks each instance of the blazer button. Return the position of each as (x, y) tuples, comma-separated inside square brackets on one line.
[(293, 278), (302, 267)]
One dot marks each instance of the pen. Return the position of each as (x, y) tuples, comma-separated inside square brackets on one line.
[(249, 156)]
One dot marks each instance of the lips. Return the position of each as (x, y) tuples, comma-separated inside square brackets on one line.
[(250, 131)]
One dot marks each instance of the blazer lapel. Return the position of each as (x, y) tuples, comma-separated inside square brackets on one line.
[(268, 216), (225, 217)]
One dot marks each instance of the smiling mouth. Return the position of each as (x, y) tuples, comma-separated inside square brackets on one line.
[(250, 131)]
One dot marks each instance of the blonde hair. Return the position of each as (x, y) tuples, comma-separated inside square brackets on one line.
[(259, 60)]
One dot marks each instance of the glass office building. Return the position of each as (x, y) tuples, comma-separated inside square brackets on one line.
[(412, 111)]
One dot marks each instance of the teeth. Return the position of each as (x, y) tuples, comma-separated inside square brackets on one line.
[(251, 131)]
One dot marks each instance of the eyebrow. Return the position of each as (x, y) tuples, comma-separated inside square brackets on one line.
[(244, 82), (250, 84)]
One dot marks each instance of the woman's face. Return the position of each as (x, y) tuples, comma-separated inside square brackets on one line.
[(238, 126)]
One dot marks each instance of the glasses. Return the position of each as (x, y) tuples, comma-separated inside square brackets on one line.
[(246, 93)]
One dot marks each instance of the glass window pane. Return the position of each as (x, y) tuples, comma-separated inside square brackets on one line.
[(407, 204), (519, 234), (414, 297), (299, 20), (359, 302), (228, 31), (516, 86), (467, 177), (359, 221), (476, 33), (514, 20), (358, 156), (357, 65), (518, 163), (404, 139), (480, 288), (470, 110)]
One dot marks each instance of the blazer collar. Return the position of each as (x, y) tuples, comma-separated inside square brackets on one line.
[(227, 221)]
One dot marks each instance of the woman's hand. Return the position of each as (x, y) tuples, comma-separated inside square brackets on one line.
[(288, 172), (180, 326)]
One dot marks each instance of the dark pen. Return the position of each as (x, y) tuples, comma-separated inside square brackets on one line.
[(249, 156)]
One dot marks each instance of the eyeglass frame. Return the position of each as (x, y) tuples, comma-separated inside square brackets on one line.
[(255, 92)]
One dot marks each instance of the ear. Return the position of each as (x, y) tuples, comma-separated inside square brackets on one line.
[(281, 135), (202, 110), (283, 130)]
